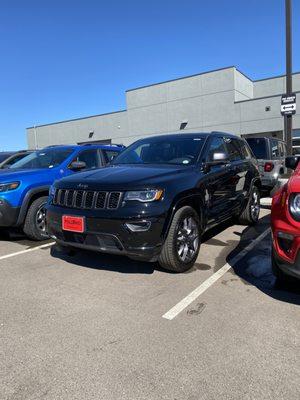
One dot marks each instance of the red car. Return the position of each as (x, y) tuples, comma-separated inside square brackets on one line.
[(285, 221)]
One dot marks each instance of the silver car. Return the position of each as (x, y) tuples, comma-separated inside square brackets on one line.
[(270, 154)]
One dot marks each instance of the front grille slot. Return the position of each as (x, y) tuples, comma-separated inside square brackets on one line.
[(78, 198), (70, 198), (87, 199), (113, 201), (101, 200)]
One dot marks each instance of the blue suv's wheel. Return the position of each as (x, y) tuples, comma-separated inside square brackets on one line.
[(35, 221)]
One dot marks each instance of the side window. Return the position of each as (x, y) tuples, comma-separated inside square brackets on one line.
[(246, 153), (233, 149), (274, 149), (90, 157), (217, 145), (109, 155)]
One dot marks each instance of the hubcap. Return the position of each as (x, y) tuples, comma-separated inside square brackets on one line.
[(41, 218), (187, 239), (255, 205)]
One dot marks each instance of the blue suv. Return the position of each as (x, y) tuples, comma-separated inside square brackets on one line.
[(24, 187)]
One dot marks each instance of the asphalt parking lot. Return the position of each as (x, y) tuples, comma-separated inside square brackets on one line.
[(102, 327)]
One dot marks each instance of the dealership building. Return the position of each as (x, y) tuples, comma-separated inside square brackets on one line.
[(220, 100)]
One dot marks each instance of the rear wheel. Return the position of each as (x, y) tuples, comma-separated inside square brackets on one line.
[(182, 245), (35, 221), (250, 215)]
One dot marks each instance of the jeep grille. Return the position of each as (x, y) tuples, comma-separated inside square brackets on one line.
[(87, 199)]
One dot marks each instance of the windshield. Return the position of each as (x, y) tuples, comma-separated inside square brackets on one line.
[(258, 147), (47, 158), (177, 151)]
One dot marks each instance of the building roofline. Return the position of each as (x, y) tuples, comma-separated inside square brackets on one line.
[(274, 77), (262, 98), (180, 78), (208, 72), (76, 119)]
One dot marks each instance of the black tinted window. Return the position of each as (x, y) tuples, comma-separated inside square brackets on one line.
[(109, 155), (233, 149), (216, 145), (4, 156), (258, 147), (245, 150), (90, 157)]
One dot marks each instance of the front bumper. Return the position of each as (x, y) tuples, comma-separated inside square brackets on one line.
[(288, 268), (8, 214), (268, 181), (108, 235)]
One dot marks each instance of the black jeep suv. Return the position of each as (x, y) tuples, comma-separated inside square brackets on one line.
[(156, 199)]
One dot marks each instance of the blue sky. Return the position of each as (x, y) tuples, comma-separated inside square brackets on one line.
[(66, 59)]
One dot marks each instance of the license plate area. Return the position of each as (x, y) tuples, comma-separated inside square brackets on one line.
[(71, 223)]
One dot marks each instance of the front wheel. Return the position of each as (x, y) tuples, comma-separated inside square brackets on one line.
[(182, 244), (35, 221), (250, 215)]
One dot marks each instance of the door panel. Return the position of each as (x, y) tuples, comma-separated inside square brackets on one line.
[(218, 184)]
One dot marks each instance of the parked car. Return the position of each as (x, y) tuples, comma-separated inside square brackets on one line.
[(270, 153), (13, 158), (285, 221), (24, 187), (157, 198)]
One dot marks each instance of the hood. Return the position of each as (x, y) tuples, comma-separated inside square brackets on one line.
[(11, 175), (124, 177), (294, 182)]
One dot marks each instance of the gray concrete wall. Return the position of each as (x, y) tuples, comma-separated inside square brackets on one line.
[(107, 126), (223, 100)]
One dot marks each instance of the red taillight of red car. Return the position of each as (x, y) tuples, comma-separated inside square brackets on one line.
[(269, 166)]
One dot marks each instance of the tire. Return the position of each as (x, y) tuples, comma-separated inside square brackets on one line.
[(250, 214), (172, 254), (32, 228)]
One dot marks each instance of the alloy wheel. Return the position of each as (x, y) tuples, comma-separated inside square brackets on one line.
[(40, 219), (255, 205), (187, 239)]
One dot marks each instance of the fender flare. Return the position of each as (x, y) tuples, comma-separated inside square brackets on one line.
[(26, 202), (176, 205)]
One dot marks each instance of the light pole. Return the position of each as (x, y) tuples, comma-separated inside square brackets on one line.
[(288, 119)]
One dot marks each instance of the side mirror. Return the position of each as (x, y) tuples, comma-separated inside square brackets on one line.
[(77, 166), (220, 158), (291, 162), (217, 159)]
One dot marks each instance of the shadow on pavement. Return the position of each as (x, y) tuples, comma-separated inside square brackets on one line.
[(109, 262), (255, 268)]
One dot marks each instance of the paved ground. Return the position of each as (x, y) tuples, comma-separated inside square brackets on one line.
[(92, 326)]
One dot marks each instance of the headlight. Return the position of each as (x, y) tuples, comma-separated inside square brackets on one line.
[(6, 187), (144, 195), (294, 204)]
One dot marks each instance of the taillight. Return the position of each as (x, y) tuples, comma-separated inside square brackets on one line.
[(269, 166)]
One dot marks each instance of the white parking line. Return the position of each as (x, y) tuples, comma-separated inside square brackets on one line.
[(171, 314), (43, 246)]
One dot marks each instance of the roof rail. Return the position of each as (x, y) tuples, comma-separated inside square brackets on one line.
[(103, 144)]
